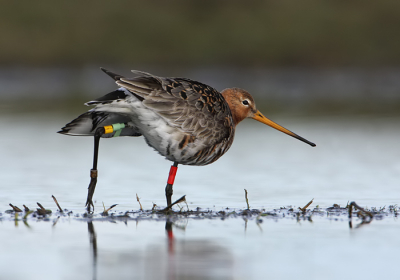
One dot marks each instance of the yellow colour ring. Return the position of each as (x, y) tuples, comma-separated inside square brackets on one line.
[(108, 129), (117, 127)]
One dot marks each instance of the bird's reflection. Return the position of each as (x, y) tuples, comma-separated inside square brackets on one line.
[(170, 235), (177, 258), (188, 259), (93, 246)]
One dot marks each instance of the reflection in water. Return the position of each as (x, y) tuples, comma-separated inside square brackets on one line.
[(362, 223), (188, 259), (93, 245), (180, 259)]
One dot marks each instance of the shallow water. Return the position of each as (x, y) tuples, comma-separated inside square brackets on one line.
[(200, 249), (355, 159)]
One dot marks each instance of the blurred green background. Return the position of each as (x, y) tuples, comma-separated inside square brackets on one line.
[(295, 57)]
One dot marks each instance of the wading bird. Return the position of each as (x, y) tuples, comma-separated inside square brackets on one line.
[(185, 121)]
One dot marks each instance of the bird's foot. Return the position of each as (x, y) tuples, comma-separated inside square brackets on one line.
[(89, 205), (92, 185)]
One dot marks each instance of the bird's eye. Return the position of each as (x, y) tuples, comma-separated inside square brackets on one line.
[(245, 102)]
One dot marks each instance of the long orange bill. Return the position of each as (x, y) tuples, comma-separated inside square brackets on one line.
[(260, 117)]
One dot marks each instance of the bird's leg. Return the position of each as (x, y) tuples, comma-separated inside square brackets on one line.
[(117, 128), (93, 172), (170, 182)]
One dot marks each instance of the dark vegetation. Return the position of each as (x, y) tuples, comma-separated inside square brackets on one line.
[(181, 33)]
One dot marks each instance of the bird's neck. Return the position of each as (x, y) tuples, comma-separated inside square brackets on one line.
[(237, 115)]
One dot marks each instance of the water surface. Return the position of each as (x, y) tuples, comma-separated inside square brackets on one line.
[(355, 159)]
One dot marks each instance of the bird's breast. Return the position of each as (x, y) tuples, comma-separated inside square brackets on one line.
[(178, 145)]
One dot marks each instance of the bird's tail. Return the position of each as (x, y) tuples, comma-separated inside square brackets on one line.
[(86, 124)]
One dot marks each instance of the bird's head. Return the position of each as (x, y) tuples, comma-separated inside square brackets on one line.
[(242, 106)]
